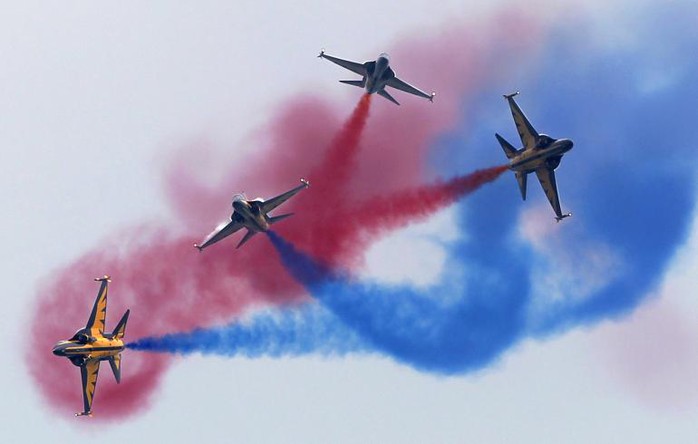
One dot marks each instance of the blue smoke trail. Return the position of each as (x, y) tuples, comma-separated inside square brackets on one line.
[(414, 327), (294, 331)]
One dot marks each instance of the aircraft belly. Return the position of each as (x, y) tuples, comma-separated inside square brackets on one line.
[(373, 86), (105, 354), (528, 165), (258, 225), (250, 222)]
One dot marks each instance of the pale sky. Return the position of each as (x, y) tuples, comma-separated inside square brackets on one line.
[(95, 95)]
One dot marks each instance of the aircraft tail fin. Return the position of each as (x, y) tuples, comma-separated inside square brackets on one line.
[(115, 363), (120, 329), (360, 83), (274, 219), (509, 150), (247, 237), (521, 179)]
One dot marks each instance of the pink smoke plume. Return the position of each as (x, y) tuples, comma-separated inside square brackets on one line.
[(653, 355), (170, 287)]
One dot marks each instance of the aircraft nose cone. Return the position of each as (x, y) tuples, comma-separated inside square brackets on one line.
[(563, 145), (59, 350)]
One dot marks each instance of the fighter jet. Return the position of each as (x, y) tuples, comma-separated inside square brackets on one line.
[(90, 345), (376, 76), (251, 214), (540, 154)]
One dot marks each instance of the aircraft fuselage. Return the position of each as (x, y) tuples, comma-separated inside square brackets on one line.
[(378, 74), (83, 347), (253, 219), (548, 155)]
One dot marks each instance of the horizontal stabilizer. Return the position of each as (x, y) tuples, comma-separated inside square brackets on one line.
[(359, 83), (384, 93), (521, 179), (247, 237), (509, 150), (115, 363), (274, 219)]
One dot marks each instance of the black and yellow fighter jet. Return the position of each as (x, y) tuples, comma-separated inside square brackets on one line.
[(541, 154), (90, 345)]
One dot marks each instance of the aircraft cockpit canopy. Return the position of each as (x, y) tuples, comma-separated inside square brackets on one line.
[(80, 337), (544, 140)]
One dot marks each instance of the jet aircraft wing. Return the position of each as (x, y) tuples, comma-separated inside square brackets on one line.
[(98, 316), (220, 233), (406, 87), (528, 134), (356, 67), (547, 180), (274, 202), (89, 372)]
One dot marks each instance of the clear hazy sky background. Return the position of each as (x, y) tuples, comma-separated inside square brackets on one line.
[(94, 96)]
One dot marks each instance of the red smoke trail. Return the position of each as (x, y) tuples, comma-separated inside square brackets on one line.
[(357, 224), (170, 287), (340, 160), (390, 212), (393, 211)]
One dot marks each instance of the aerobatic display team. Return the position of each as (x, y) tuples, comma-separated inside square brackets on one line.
[(281, 274)]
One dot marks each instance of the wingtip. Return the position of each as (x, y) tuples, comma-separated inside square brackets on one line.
[(564, 216)]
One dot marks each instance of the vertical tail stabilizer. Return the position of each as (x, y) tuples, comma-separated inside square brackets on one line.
[(120, 329), (509, 150)]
